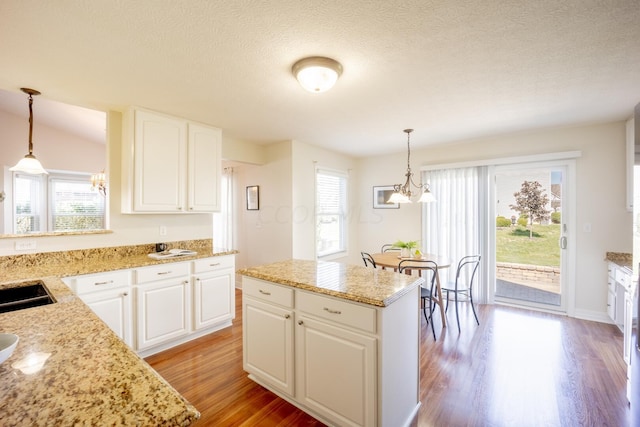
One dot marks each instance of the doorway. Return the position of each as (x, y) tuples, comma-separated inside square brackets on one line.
[(530, 239)]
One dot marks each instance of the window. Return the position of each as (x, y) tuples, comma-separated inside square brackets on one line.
[(331, 212), (57, 202)]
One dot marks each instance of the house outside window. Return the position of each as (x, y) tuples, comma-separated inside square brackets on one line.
[(55, 203), (331, 213)]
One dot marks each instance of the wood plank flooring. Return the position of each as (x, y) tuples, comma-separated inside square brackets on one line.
[(518, 368)]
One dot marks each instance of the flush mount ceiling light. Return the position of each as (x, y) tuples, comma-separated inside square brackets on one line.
[(317, 74), (29, 163), (402, 192)]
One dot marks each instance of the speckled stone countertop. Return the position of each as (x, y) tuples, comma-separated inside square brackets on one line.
[(350, 282), (623, 259), (87, 375)]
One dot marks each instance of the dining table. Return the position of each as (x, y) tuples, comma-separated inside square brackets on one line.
[(392, 259)]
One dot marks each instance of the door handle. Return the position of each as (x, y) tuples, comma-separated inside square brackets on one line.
[(563, 242)]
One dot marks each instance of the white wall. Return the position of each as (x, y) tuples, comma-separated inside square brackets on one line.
[(284, 227), (601, 184)]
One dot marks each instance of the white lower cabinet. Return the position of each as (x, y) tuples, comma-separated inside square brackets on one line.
[(336, 372), (345, 363), (158, 307), (109, 296), (214, 299), (162, 306)]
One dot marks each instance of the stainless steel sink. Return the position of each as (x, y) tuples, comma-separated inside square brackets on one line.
[(24, 295)]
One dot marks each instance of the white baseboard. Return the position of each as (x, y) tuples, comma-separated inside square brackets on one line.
[(595, 316)]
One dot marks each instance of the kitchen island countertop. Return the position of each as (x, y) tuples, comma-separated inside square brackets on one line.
[(350, 282)]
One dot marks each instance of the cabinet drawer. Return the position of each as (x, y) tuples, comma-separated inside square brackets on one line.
[(338, 311), (623, 278), (213, 263), (100, 282), (268, 291), (161, 272)]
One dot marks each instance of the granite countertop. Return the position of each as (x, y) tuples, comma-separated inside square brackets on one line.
[(622, 259), (350, 282), (88, 375)]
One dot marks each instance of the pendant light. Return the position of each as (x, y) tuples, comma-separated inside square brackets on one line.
[(402, 192), (29, 163), (317, 74)]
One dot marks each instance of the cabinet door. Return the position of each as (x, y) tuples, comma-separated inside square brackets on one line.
[(162, 311), (628, 326), (268, 343), (336, 372), (159, 163), (114, 308), (214, 298), (204, 150)]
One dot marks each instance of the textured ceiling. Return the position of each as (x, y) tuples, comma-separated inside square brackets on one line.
[(451, 70)]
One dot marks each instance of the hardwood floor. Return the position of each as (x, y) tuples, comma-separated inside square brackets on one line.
[(518, 368)]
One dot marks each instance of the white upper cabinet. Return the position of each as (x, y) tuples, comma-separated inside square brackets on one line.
[(170, 165)]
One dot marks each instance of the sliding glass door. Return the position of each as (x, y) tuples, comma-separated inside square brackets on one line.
[(530, 235)]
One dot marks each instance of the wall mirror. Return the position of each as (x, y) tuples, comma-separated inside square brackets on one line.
[(69, 141)]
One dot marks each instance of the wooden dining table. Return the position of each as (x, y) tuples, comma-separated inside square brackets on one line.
[(392, 259)]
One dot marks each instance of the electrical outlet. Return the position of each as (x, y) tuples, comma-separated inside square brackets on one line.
[(163, 230), (25, 245)]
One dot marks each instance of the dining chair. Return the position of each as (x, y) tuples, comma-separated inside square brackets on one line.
[(389, 247), (465, 274), (428, 292), (368, 259)]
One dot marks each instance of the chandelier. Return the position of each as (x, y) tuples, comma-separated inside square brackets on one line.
[(99, 182), (402, 192)]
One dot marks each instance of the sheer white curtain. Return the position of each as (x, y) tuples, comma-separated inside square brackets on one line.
[(452, 226), (223, 225)]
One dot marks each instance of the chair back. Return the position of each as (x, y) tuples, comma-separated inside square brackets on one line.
[(420, 265), (368, 259), (389, 247), (467, 269)]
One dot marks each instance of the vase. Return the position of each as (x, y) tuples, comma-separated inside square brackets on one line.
[(405, 252)]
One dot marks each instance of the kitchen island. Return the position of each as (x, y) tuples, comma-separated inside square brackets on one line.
[(69, 368), (341, 342)]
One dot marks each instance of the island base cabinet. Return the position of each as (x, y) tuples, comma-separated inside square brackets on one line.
[(345, 363), (268, 344), (162, 312), (336, 372)]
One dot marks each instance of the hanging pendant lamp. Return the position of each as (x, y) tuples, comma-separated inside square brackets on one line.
[(29, 163), (402, 192)]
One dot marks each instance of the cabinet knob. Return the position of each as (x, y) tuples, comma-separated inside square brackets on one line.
[(286, 316), (179, 208), (185, 282), (300, 322), (125, 294)]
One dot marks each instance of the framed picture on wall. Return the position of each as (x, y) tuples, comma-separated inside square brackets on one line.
[(253, 198), (380, 196)]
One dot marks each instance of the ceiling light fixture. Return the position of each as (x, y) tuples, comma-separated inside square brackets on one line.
[(317, 74), (29, 163), (402, 192)]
